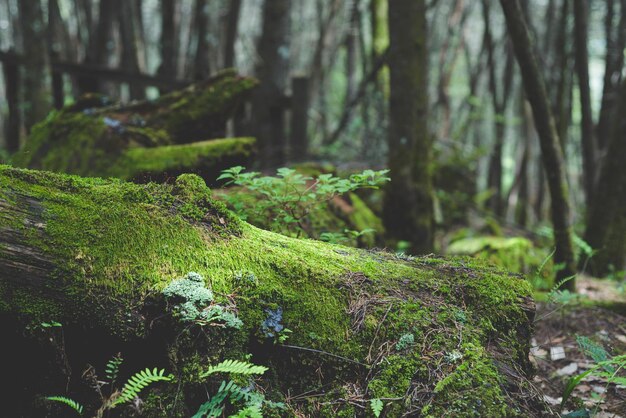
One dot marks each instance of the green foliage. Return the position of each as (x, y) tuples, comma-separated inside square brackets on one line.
[(606, 367), (289, 199), (252, 401), (193, 302), (67, 401), (405, 341), (235, 366), (517, 254), (130, 390), (377, 406), (112, 367), (139, 381)]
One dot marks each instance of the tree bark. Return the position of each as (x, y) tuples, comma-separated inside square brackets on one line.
[(202, 65), (408, 205), (35, 62), (268, 104), (581, 12), (615, 44), (94, 256), (129, 16), (551, 153), (232, 28), (606, 223), (168, 42)]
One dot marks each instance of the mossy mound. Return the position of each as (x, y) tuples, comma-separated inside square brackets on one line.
[(95, 255), (144, 140)]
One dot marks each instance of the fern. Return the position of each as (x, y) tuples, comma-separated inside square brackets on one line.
[(67, 401), (253, 411), (139, 381), (235, 366), (112, 368), (377, 406)]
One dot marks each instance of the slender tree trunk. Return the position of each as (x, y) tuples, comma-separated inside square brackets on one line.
[(131, 43), (551, 152), (35, 62), (615, 44), (273, 73), (100, 46), (500, 99), (202, 67), (606, 223), (408, 204), (232, 27), (168, 42), (581, 10), (351, 51)]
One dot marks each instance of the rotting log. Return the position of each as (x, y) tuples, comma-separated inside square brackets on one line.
[(95, 255), (92, 137)]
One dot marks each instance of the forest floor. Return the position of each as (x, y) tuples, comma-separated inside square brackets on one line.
[(599, 315)]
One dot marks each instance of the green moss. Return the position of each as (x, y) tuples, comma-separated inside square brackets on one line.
[(68, 142), (129, 241), (472, 389), (211, 156), (187, 110)]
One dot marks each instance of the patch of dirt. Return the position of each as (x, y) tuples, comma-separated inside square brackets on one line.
[(558, 357)]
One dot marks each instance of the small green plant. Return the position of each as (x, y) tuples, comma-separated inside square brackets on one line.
[(67, 401), (130, 390), (289, 198), (192, 301), (405, 341), (251, 401), (605, 367), (139, 381), (377, 406)]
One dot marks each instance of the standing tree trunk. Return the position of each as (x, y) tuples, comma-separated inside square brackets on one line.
[(168, 43), (606, 223), (202, 67), (232, 27), (131, 40), (551, 153), (35, 62), (99, 48), (615, 44), (273, 73), (581, 10), (408, 204)]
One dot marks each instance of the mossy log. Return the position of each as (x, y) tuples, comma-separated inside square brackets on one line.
[(96, 255), (148, 140)]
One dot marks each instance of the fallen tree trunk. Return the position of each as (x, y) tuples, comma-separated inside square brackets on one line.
[(148, 140), (428, 336)]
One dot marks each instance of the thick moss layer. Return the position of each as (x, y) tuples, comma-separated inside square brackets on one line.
[(206, 159), (116, 245), (127, 141)]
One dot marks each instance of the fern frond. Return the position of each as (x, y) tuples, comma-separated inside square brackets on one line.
[(67, 401), (235, 366), (113, 367), (252, 411), (377, 406), (139, 381)]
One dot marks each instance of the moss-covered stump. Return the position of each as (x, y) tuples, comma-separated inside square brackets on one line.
[(428, 336), (93, 138)]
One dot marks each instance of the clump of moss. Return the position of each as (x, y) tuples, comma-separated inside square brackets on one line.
[(206, 158), (345, 306)]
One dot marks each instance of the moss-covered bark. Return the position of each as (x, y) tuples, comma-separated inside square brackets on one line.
[(96, 255), (93, 138)]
